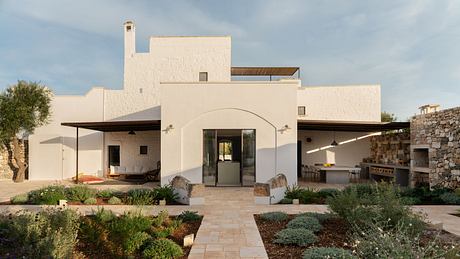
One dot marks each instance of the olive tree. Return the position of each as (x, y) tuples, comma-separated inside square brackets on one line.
[(23, 107)]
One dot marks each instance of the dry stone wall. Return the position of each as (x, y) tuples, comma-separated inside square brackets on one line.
[(390, 148), (440, 131)]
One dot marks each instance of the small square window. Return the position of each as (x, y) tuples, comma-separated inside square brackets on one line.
[(301, 110), (143, 150), (203, 76), (128, 28)]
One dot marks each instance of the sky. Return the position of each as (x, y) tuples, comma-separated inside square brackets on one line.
[(410, 48)]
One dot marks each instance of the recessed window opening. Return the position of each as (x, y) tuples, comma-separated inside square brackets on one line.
[(128, 28), (143, 150), (301, 110), (203, 76)]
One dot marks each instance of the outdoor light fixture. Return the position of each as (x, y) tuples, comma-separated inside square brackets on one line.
[(167, 129), (334, 143), (284, 128), (131, 132)]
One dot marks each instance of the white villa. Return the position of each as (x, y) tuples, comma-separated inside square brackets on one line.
[(185, 107)]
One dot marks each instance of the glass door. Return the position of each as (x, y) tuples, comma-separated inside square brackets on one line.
[(209, 157), (248, 157)]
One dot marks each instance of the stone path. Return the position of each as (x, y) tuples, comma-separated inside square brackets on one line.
[(229, 230)]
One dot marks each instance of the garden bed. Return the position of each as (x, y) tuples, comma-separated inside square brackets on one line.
[(334, 233)]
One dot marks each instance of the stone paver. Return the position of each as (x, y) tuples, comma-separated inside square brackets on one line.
[(229, 230)]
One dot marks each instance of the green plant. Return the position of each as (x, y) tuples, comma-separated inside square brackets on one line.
[(114, 201), (327, 252), (309, 223), (321, 217), (305, 195), (165, 192), (102, 215), (457, 191), (46, 234), (160, 219), (106, 193), (135, 241), (90, 201), (377, 241), (139, 197), (188, 216), (295, 236), (450, 198), (383, 204), (24, 107), (327, 192), (80, 193), (162, 249), (20, 199), (286, 201), (49, 195), (274, 216)]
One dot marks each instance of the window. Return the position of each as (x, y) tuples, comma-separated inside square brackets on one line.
[(203, 76), (225, 150), (301, 110), (128, 28), (143, 150)]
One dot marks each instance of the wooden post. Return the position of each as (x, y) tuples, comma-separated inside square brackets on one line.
[(76, 156)]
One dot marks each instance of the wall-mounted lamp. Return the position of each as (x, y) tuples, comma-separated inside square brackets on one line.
[(334, 143), (285, 128), (168, 128), (131, 132)]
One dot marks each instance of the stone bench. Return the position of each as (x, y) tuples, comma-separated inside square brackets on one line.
[(272, 191), (188, 193)]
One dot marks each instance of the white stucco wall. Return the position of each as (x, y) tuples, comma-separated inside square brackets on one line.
[(342, 103), (52, 147), (349, 154), (192, 107), (130, 148)]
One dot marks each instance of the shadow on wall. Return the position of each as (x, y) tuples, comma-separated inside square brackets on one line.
[(153, 113), (91, 141)]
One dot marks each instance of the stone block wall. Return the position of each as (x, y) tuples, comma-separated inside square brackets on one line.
[(390, 148), (5, 170), (440, 133)]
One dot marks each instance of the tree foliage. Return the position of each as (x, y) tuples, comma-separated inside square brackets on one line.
[(388, 117), (23, 107)]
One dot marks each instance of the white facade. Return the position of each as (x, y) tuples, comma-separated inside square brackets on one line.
[(163, 84)]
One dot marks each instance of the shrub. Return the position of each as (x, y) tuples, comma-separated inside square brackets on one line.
[(286, 201), (46, 234), (327, 192), (80, 193), (383, 204), (373, 241), (162, 249), (20, 199), (49, 195), (134, 242), (106, 194), (327, 252), (90, 201), (450, 198), (160, 219), (139, 197), (102, 215), (321, 217), (457, 191), (423, 195), (309, 223), (305, 196), (274, 216), (165, 192), (295, 236), (114, 201), (188, 216)]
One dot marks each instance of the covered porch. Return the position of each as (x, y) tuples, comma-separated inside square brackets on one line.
[(333, 154), (131, 149)]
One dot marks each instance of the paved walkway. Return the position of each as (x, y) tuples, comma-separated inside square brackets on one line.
[(229, 230)]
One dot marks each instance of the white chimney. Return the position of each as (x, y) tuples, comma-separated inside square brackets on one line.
[(130, 39), (429, 108)]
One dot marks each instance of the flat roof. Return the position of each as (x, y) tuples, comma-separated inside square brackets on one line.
[(356, 126), (113, 126), (264, 71)]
